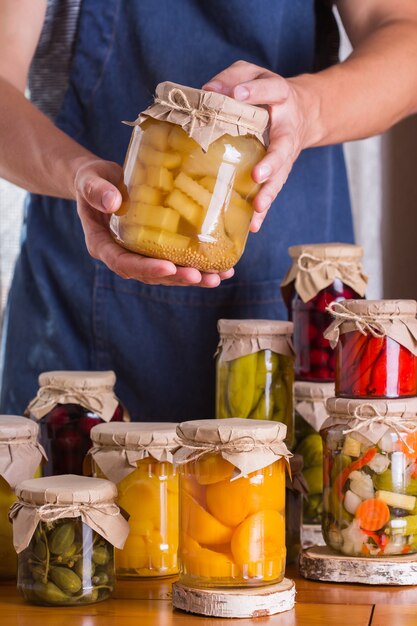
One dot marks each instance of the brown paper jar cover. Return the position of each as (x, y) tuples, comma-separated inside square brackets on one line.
[(205, 115), (20, 451), (316, 266), (118, 446), (67, 496), (248, 444), (241, 337), (310, 401), (392, 318)]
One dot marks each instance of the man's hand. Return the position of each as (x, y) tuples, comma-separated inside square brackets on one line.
[(97, 198), (256, 85)]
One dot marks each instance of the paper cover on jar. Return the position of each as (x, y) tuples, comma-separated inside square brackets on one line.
[(68, 496), (118, 446), (248, 444), (241, 337), (316, 266), (310, 401), (20, 451)]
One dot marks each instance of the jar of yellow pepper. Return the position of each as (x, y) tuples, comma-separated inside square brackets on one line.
[(137, 457), (255, 371), (232, 502), (20, 456)]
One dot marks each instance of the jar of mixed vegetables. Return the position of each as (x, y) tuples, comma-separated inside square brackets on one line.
[(64, 530), (310, 413), (20, 456), (320, 274), (66, 407), (376, 348), (370, 476), (255, 371), (296, 490), (137, 457), (232, 502), (187, 187)]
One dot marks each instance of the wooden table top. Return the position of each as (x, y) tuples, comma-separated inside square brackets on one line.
[(147, 603)]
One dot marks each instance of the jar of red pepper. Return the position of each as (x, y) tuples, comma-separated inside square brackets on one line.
[(68, 404), (320, 274), (375, 347)]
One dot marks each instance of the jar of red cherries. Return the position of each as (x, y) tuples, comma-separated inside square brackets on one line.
[(320, 274), (68, 404)]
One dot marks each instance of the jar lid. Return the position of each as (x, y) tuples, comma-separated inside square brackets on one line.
[(248, 444), (205, 115), (242, 337), (134, 435), (17, 429), (313, 391), (79, 380), (254, 328), (66, 489), (352, 407), (327, 251), (376, 308)]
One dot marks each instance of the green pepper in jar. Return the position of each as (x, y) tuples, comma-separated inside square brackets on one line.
[(241, 385)]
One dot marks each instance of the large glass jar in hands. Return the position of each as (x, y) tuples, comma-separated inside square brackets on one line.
[(20, 457), (64, 530), (320, 274), (187, 187), (232, 514), (137, 457), (370, 477), (255, 372)]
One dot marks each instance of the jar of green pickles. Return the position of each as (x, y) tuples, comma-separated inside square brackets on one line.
[(255, 372), (64, 530), (370, 476), (137, 457), (20, 456), (310, 413)]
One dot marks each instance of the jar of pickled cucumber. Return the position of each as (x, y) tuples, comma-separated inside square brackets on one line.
[(296, 490), (255, 371), (64, 531), (66, 407), (370, 476), (375, 345), (320, 274), (137, 457), (232, 502), (187, 187), (20, 456), (310, 413)]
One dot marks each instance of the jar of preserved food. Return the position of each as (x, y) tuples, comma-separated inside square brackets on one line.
[(232, 502), (296, 490), (67, 406), (376, 348), (370, 476), (255, 371), (310, 413), (137, 458), (320, 274), (187, 187), (20, 456), (64, 530)]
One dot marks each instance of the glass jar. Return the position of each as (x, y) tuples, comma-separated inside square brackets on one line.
[(370, 477), (64, 529), (137, 458), (232, 514), (187, 187), (320, 274), (310, 413), (255, 372), (20, 456), (376, 348), (295, 492), (67, 406)]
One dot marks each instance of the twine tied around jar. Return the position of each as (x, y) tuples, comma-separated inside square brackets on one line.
[(242, 444), (365, 324), (396, 422), (53, 512), (307, 262)]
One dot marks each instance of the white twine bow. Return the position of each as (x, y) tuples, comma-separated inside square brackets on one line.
[(399, 425), (365, 324), (307, 262)]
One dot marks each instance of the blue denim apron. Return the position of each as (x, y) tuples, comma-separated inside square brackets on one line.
[(68, 311)]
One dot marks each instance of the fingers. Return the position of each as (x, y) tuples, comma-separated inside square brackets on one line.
[(96, 183), (268, 193), (238, 72), (265, 89)]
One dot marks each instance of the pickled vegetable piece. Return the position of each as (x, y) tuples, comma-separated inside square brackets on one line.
[(372, 514), (145, 194), (138, 176), (154, 217), (159, 177), (190, 187), (162, 238), (150, 156), (156, 134), (241, 385), (229, 501), (180, 141), (186, 207), (200, 525), (211, 468)]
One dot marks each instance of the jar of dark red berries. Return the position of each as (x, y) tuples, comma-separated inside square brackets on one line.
[(320, 274), (66, 407)]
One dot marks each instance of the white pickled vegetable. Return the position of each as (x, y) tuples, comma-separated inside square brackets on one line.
[(398, 471), (397, 500), (351, 502), (353, 538), (379, 463), (388, 442), (361, 484), (351, 447)]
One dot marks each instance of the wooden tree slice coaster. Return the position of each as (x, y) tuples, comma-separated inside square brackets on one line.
[(311, 535), (235, 602), (322, 563)]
